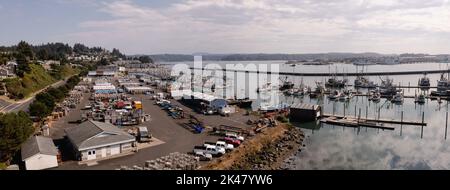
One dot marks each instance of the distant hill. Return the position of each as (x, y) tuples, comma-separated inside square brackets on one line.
[(260, 57)]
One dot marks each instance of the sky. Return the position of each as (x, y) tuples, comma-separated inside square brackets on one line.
[(232, 26)]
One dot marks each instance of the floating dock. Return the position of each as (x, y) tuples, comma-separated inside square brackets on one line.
[(350, 121), (355, 123)]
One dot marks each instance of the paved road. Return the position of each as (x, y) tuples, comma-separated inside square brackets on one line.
[(6, 107)]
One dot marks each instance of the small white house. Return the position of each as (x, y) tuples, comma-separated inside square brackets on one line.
[(39, 153)]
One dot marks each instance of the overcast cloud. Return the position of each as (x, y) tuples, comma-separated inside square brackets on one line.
[(266, 26)]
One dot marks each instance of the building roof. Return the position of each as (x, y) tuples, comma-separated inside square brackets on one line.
[(188, 94), (38, 145), (305, 106), (91, 134)]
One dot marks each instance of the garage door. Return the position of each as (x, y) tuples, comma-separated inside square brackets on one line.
[(115, 149)]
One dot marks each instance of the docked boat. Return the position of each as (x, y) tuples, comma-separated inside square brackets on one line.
[(265, 88), (397, 98), (443, 86), (424, 82), (420, 99), (336, 83), (375, 97), (286, 84), (345, 95), (363, 82), (335, 94), (318, 91), (387, 88), (242, 103)]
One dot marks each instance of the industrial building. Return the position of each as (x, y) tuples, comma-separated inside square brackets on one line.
[(94, 140), (304, 112)]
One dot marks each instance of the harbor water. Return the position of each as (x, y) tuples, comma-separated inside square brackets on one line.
[(336, 147)]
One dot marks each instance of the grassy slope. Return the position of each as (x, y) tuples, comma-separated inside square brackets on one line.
[(36, 80)]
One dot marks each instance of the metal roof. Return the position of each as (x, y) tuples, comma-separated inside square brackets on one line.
[(38, 145), (94, 134), (305, 106)]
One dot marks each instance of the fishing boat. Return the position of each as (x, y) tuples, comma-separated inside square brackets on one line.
[(318, 91), (265, 88), (375, 97), (443, 86), (345, 95), (335, 94), (387, 88), (424, 82), (363, 82), (242, 103), (397, 98), (420, 99), (336, 83), (286, 84)]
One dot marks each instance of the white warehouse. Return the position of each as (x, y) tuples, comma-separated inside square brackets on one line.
[(39, 153)]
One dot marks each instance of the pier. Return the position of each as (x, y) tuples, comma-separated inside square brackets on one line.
[(356, 122), (335, 74)]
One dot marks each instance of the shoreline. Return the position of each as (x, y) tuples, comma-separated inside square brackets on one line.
[(268, 150)]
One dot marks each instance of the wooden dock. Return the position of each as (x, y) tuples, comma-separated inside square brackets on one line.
[(368, 121), (354, 123)]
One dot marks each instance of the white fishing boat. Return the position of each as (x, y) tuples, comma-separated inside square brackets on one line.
[(335, 94), (397, 98), (424, 82), (420, 99)]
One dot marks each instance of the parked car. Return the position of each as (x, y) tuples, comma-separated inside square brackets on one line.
[(222, 144), (204, 156), (234, 136), (210, 149), (232, 141)]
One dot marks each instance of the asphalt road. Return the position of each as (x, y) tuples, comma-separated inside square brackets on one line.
[(6, 107)]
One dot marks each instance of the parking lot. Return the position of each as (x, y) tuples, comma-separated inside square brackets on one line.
[(175, 138)]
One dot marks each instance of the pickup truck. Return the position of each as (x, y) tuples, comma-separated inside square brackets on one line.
[(161, 102), (235, 136), (209, 149), (232, 141), (221, 144), (204, 156)]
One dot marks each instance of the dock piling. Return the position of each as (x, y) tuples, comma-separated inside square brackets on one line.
[(401, 125), (446, 124), (423, 121)]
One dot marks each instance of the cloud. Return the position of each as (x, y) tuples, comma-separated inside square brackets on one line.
[(288, 26)]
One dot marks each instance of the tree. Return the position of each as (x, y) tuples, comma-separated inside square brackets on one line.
[(15, 128), (39, 109), (57, 94), (22, 65), (116, 53), (42, 54), (25, 49), (47, 99), (104, 61), (145, 59)]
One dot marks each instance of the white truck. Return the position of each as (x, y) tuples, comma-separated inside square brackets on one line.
[(143, 135), (209, 149), (235, 136), (221, 144)]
